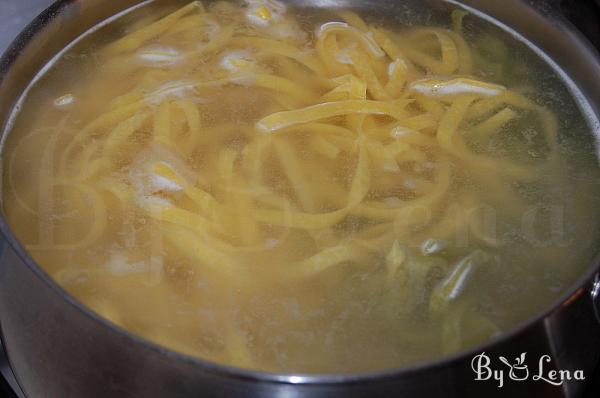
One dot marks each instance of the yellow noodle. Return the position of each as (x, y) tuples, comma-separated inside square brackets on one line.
[(293, 170), (283, 49), (494, 123), (450, 58), (137, 38), (313, 113), (363, 69), (353, 19)]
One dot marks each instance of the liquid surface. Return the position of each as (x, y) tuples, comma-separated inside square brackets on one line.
[(299, 190)]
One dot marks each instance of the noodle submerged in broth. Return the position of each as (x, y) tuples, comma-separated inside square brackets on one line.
[(265, 188)]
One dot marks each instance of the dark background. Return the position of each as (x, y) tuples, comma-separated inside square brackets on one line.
[(15, 14)]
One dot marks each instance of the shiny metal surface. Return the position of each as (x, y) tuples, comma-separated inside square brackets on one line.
[(7, 376), (6, 372), (60, 349), (15, 14), (595, 293)]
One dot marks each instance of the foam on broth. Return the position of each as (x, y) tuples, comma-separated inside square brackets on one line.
[(295, 190)]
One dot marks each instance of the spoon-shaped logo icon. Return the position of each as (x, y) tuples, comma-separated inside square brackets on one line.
[(519, 370)]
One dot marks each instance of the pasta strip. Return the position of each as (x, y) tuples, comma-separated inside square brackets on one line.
[(137, 38), (280, 120)]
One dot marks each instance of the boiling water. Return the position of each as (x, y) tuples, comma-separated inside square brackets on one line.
[(255, 185)]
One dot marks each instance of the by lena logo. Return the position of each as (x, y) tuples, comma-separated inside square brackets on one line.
[(519, 371)]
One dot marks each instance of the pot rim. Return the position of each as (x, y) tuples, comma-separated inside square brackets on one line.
[(46, 17)]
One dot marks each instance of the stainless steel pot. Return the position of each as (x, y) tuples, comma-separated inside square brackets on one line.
[(58, 348)]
